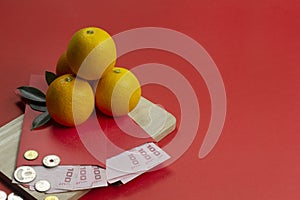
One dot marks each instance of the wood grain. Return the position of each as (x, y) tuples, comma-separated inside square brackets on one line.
[(155, 121)]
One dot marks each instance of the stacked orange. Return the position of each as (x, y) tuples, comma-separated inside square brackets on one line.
[(90, 57)]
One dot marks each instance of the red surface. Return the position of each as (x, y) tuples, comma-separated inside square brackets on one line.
[(255, 45)]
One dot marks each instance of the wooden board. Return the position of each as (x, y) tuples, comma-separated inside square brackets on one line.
[(157, 122)]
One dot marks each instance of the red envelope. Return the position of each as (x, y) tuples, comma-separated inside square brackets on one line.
[(88, 144)]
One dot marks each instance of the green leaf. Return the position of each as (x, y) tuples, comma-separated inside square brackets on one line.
[(32, 94), (38, 107), (50, 76), (40, 120)]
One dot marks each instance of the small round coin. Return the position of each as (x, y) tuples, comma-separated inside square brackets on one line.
[(12, 196), (51, 161), (42, 186), (31, 155), (24, 174), (52, 198), (3, 195)]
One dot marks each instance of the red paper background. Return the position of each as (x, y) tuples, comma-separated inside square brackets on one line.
[(255, 45)]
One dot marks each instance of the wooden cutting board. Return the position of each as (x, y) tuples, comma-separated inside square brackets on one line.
[(147, 115)]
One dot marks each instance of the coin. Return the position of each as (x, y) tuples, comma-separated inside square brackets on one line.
[(31, 155), (12, 196), (24, 174), (51, 198), (3, 195), (51, 161), (42, 186)]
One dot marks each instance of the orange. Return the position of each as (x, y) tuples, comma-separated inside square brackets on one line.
[(91, 52), (118, 92), (70, 101), (62, 66)]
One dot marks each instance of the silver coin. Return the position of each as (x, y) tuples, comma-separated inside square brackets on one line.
[(24, 174), (3, 195), (51, 161), (42, 186), (12, 196)]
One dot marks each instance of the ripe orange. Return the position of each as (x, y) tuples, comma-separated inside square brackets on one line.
[(70, 101), (91, 52), (118, 92), (62, 66)]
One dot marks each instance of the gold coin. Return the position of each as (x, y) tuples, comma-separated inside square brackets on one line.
[(31, 155), (51, 198)]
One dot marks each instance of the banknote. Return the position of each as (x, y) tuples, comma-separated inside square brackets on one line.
[(130, 164), (89, 177), (123, 167), (69, 178)]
